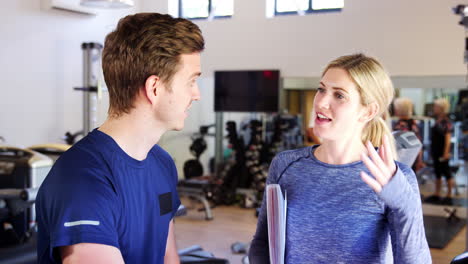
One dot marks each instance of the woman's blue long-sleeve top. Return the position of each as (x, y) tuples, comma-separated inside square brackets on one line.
[(335, 217)]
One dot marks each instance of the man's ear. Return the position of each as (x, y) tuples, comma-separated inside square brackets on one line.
[(369, 112), (153, 85)]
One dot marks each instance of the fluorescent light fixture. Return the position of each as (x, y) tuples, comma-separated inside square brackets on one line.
[(327, 4), (107, 3)]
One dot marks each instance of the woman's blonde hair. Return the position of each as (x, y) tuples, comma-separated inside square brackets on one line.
[(403, 107), (374, 86), (444, 104)]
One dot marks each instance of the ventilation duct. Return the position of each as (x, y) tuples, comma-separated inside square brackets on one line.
[(107, 3)]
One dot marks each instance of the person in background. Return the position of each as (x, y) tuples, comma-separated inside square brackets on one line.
[(440, 149), (348, 202), (403, 108), (112, 196)]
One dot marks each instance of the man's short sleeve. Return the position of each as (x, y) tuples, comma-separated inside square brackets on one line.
[(175, 195), (79, 207)]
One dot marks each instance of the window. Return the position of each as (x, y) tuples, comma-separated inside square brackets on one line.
[(307, 6), (193, 9)]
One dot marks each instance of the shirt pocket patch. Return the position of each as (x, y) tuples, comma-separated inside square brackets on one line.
[(165, 203)]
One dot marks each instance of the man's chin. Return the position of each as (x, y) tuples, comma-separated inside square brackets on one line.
[(178, 128)]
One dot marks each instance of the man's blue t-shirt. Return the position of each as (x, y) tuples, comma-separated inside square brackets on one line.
[(96, 193)]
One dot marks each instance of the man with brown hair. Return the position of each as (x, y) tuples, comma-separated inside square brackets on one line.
[(112, 196)]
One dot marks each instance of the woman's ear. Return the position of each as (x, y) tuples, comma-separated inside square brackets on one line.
[(369, 112)]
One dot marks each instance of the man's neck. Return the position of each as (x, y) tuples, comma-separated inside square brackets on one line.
[(135, 133)]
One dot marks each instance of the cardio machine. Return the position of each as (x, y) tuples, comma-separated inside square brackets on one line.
[(21, 173)]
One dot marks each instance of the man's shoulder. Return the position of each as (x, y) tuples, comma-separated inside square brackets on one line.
[(82, 155), (161, 155), (160, 152), (83, 162)]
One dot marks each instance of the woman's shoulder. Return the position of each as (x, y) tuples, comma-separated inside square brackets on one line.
[(294, 154), (403, 167), (406, 170), (285, 158)]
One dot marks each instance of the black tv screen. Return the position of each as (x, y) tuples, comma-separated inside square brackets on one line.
[(247, 91)]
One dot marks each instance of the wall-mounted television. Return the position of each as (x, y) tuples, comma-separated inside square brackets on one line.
[(247, 91)]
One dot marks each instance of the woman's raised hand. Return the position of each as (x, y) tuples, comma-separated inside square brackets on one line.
[(381, 165)]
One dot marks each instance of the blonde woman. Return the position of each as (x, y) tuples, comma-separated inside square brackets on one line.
[(348, 202)]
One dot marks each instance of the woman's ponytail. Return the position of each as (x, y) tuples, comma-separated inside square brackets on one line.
[(375, 131)]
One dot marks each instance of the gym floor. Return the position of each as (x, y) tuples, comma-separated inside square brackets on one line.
[(233, 224), (230, 224), (457, 245)]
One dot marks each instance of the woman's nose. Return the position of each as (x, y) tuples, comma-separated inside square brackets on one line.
[(322, 101)]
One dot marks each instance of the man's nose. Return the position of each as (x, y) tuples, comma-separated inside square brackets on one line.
[(196, 93)]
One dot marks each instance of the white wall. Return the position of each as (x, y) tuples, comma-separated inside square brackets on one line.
[(418, 37), (41, 59), (40, 63)]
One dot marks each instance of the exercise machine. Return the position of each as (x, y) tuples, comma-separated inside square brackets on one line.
[(51, 150), (22, 169), (92, 90), (193, 167), (21, 173), (199, 190), (407, 145), (195, 186), (17, 246)]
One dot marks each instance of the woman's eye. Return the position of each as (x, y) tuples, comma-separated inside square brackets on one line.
[(339, 96)]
